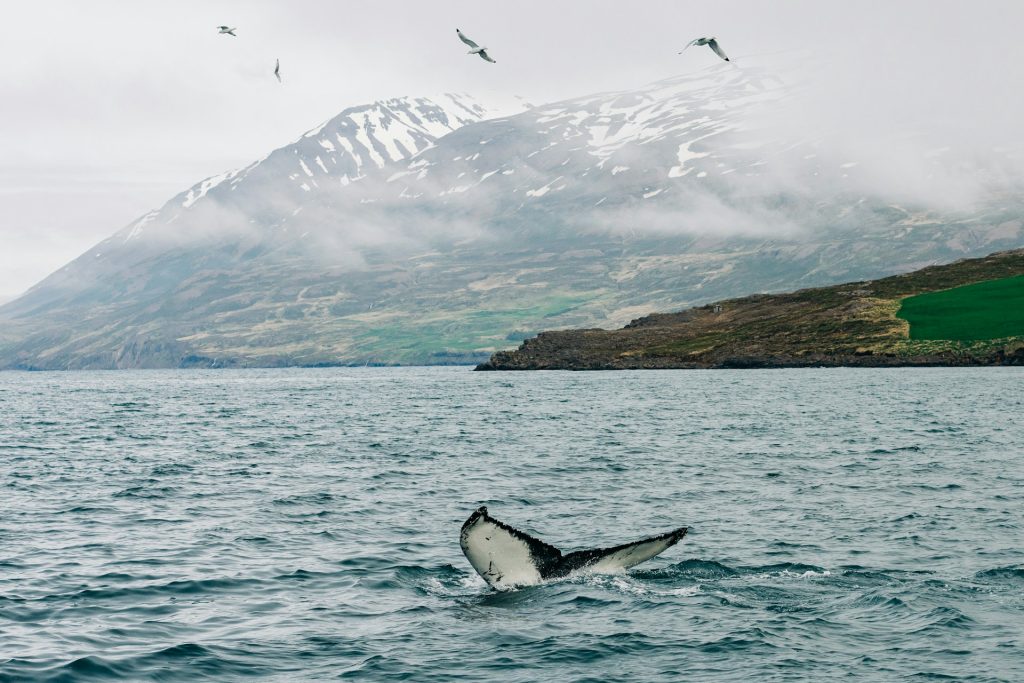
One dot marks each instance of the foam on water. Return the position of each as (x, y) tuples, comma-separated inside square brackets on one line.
[(303, 524)]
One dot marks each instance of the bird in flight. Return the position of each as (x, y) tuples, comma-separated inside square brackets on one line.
[(277, 70), (710, 42), (475, 49), (226, 30)]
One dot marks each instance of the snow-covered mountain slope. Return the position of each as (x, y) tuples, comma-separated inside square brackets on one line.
[(441, 230), (609, 149), (705, 154), (245, 205), (664, 127), (341, 151)]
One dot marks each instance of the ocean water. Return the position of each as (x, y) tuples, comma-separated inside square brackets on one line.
[(303, 524)]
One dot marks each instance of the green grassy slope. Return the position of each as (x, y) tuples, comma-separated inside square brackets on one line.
[(985, 310)]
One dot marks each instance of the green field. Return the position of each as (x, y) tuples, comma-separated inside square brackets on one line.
[(986, 310)]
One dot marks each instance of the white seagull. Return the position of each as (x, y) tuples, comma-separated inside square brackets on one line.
[(226, 29), (710, 42), (277, 69), (476, 49)]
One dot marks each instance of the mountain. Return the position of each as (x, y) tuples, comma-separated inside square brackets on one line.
[(442, 230), (861, 324), (251, 204)]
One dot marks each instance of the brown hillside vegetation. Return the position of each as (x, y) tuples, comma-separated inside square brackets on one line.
[(852, 324)]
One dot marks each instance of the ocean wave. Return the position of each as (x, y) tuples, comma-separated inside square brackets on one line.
[(316, 498), (696, 569), (147, 492), (712, 570), (169, 662), (1011, 575)]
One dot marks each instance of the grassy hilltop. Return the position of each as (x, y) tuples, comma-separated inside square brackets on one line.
[(966, 313), (986, 310)]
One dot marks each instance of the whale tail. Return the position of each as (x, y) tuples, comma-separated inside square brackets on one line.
[(508, 558)]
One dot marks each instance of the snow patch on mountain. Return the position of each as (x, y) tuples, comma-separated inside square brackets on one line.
[(342, 150)]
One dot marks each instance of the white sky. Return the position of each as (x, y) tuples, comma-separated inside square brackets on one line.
[(110, 108)]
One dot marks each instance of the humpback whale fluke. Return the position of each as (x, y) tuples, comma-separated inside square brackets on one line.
[(507, 558)]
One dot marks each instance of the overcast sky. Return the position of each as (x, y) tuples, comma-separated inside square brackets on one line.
[(110, 108)]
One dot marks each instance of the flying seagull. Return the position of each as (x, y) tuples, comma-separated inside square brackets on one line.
[(277, 69), (476, 49), (710, 42), (226, 29)]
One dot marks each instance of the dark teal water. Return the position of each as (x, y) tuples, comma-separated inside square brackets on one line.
[(302, 524)]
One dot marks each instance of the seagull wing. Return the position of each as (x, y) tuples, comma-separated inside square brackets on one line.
[(486, 57), (467, 41), (689, 45), (713, 44)]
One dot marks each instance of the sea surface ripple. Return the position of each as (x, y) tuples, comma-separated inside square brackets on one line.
[(303, 524)]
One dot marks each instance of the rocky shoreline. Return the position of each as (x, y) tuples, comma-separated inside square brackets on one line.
[(512, 361)]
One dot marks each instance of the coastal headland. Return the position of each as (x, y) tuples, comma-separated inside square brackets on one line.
[(976, 304)]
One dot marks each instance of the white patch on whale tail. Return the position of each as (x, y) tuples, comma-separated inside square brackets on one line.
[(508, 558), (503, 556), (620, 558)]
